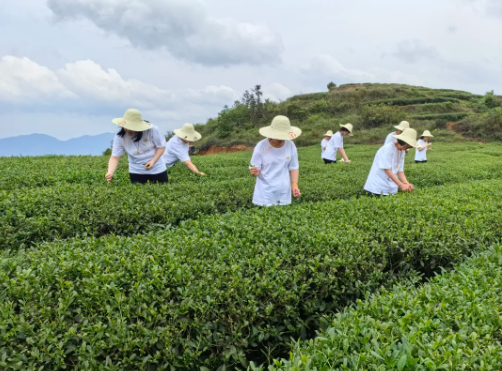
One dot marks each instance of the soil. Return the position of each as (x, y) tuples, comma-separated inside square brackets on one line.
[(451, 126), (350, 87), (215, 150)]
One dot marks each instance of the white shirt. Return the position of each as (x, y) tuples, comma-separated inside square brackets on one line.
[(324, 143), (273, 185), (388, 157), (176, 150), (390, 138), (421, 155), (147, 146), (334, 143)]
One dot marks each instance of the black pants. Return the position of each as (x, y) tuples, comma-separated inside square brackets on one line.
[(420, 162), (329, 161), (152, 178), (375, 194)]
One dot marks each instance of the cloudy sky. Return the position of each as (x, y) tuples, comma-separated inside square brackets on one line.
[(67, 67)]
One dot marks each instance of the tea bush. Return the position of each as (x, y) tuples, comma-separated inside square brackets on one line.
[(90, 207), (452, 323), (217, 292)]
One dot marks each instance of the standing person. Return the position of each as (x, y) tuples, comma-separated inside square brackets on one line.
[(324, 142), (399, 130), (423, 147), (178, 146), (387, 176), (144, 146), (335, 145), (275, 164)]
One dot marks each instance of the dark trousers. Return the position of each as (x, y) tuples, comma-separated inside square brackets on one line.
[(420, 162), (329, 161), (375, 194), (152, 178)]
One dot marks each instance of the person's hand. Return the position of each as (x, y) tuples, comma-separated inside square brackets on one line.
[(109, 177), (412, 187), (201, 173), (296, 191), (254, 171), (149, 164), (406, 187), (324, 148), (347, 161)]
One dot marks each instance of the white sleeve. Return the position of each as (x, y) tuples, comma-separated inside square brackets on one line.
[(159, 141), (257, 159), (385, 159), (293, 163), (338, 142), (389, 139), (182, 153), (117, 148)]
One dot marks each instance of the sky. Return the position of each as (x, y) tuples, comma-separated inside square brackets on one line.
[(68, 67)]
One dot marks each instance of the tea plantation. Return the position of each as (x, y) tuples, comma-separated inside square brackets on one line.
[(190, 276)]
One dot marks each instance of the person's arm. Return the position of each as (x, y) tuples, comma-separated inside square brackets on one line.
[(341, 151), (402, 177), (193, 168), (112, 166), (401, 184), (295, 175), (256, 162), (158, 154)]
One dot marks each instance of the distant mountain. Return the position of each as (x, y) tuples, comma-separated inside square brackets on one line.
[(41, 144)]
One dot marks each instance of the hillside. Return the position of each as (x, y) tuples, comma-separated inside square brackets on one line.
[(373, 109)]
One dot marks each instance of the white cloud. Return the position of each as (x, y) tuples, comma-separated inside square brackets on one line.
[(325, 68), (413, 51), (276, 92), (329, 67), (211, 94), (91, 82), (24, 81), (181, 26)]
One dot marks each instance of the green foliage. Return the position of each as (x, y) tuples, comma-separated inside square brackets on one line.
[(381, 115), (220, 290), (406, 102), (452, 116), (490, 101), (486, 125), (107, 152), (331, 86), (452, 323), (74, 200)]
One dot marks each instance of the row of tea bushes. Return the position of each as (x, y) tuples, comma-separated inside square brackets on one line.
[(220, 291), (29, 216), (453, 323), (30, 172)]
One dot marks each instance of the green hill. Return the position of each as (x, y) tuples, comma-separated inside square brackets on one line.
[(373, 109)]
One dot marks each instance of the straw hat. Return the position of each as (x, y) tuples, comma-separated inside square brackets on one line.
[(329, 133), (132, 120), (427, 133), (403, 125), (280, 129), (188, 133), (409, 136), (349, 127)]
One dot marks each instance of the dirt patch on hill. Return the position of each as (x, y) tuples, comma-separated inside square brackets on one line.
[(451, 126), (349, 87), (214, 150)]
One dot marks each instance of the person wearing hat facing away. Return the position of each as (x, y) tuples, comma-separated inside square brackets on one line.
[(335, 145), (423, 147), (178, 146), (324, 142), (399, 130), (275, 164), (144, 146), (386, 176)]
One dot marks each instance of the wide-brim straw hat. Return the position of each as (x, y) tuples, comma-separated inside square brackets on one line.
[(349, 127), (281, 129), (409, 136), (427, 133), (132, 120), (329, 133), (403, 125), (188, 133)]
